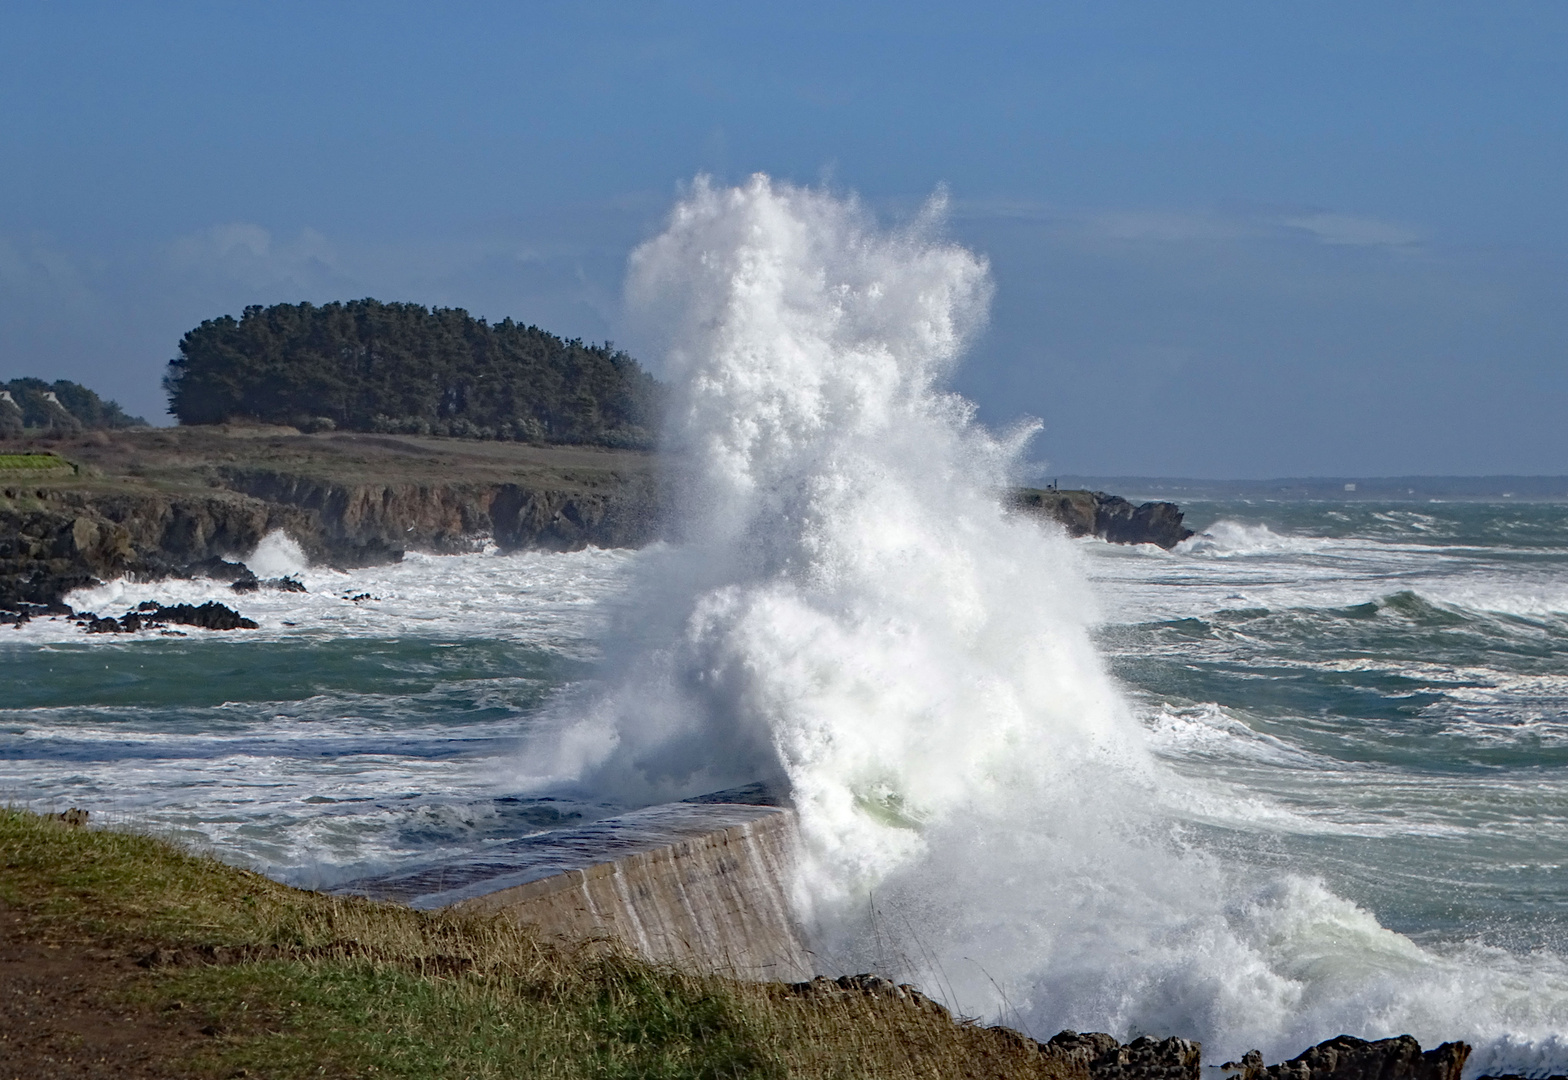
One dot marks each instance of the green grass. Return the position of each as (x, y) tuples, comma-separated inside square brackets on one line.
[(293, 984), (18, 462)]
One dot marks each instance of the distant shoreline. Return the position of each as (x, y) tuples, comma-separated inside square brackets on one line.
[(1333, 488), (185, 501)]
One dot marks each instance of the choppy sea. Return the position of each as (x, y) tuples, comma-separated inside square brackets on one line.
[(1385, 683)]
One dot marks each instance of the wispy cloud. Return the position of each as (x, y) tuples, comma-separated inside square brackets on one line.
[(1168, 226), (1349, 229), (1243, 225), (248, 255), (36, 272)]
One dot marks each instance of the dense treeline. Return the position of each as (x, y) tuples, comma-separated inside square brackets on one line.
[(58, 406), (369, 366)]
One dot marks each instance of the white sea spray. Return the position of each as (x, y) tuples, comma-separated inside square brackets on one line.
[(849, 609)]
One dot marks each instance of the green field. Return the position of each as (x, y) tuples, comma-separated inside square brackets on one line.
[(31, 462)]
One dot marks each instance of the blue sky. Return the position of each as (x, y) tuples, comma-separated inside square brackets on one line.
[(1229, 240)]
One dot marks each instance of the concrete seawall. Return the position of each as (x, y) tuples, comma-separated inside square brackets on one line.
[(702, 886)]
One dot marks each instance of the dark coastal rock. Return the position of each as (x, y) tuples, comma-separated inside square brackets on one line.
[(1345, 1057), (251, 583), (219, 569), (1142, 1059), (150, 616), (867, 985), (1110, 517), (20, 614), (1120, 522), (209, 616)]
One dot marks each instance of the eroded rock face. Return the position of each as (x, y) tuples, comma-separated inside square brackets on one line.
[(1348, 1058), (153, 503), (56, 541), (360, 524), (53, 542)]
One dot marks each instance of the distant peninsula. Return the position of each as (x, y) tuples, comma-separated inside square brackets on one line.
[(362, 430)]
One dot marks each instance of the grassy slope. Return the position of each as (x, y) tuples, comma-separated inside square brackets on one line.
[(265, 980), (31, 462), (194, 460)]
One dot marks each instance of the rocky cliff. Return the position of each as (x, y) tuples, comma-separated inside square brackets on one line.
[(157, 502), (53, 541)]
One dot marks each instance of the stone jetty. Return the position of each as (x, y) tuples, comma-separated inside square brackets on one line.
[(701, 885)]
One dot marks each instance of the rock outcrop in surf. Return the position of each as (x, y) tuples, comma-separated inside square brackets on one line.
[(1345, 1057), (1110, 517), (151, 616)]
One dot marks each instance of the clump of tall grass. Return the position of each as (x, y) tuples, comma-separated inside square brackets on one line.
[(294, 983)]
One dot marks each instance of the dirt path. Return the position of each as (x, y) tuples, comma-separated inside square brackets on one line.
[(63, 1014)]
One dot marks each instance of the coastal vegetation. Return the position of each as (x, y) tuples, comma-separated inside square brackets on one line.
[(32, 462), (128, 950), (60, 406), (404, 368)]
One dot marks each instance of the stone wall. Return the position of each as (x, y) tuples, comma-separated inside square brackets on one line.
[(702, 886)]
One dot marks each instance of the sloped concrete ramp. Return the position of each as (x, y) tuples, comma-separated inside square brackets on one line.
[(701, 885)]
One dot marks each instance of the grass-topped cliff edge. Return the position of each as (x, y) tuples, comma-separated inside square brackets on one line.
[(147, 502), (150, 502), (124, 955)]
